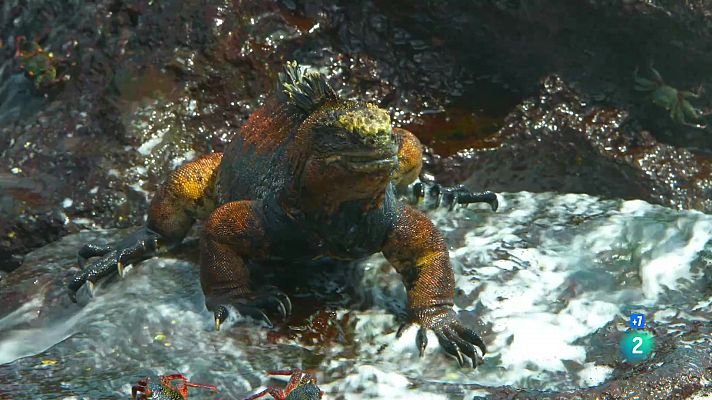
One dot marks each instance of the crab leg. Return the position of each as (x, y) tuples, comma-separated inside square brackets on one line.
[(201, 385), (167, 379), (141, 387), (173, 377), (294, 380), (283, 372), (697, 126), (278, 394)]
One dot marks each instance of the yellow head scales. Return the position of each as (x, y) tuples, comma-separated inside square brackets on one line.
[(370, 121)]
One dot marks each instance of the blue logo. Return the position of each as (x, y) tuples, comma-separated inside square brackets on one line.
[(637, 321)]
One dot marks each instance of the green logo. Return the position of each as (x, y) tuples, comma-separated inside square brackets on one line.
[(637, 345)]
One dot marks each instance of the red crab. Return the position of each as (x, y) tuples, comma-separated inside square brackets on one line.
[(36, 61), (165, 390), (301, 386)]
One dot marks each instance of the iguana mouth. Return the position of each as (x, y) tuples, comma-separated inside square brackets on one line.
[(364, 161), (370, 165)]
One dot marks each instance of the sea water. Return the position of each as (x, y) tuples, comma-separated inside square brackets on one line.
[(545, 280)]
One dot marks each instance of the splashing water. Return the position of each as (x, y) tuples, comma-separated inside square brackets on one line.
[(547, 280)]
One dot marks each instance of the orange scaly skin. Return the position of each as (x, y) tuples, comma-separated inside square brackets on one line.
[(410, 159), (310, 175), (188, 194)]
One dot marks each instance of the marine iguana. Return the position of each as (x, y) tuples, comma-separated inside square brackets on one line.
[(309, 175)]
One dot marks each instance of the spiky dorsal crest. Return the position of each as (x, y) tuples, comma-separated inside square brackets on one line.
[(307, 90)]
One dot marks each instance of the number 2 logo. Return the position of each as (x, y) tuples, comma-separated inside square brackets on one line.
[(637, 345), (639, 342)]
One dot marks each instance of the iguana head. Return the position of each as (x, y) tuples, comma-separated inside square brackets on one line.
[(353, 151), (349, 149)]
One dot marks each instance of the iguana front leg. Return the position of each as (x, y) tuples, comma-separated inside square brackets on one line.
[(233, 234), (418, 252), (187, 194)]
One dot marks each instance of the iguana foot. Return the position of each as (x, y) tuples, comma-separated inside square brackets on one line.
[(90, 250), (436, 195), (131, 249), (270, 300), (457, 340)]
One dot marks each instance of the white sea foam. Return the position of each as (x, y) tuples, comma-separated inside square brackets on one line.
[(541, 276), (549, 270), (370, 382), (593, 374), (147, 146), (669, 261)]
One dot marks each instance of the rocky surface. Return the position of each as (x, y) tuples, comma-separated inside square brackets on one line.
[(558, 141), (142, 86), (594, 44), (511, 95)]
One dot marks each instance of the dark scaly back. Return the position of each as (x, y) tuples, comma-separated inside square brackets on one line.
[(306, 391), (261, 159)]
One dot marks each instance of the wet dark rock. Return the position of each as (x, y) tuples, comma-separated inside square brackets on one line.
[(146, 85), (677, 373), (676, 370), (18, 97), (557, 141), (76, 145), (593, 44), (27, 233)]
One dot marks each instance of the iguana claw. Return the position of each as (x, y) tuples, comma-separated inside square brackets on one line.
[(457, 340), (137, 247), (436, 195), (270, 300)]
